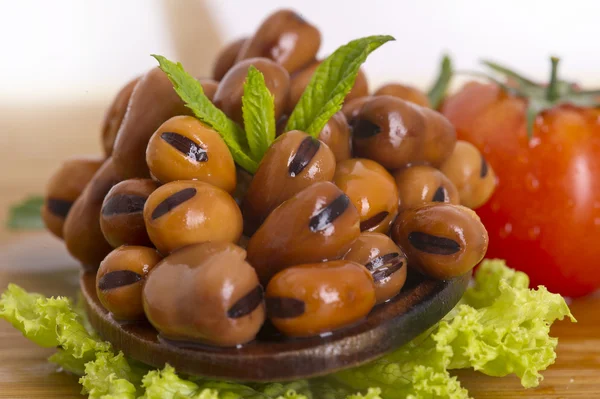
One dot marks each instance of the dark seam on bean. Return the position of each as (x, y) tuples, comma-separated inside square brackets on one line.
[(305, 153), (59, 207), (385, 272), (280, 124), (124, 204), (363, 128), (284, 308), (433, 244), (440, 195), (101, 188), (118, 278), (327, 215), (484, 168), (173, 201), (298, 17), (186, 146), (379, 261), (374, 221), (246, 304)]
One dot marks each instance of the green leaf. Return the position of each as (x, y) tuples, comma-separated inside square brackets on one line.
[(109, 377), (507, 72), (438, 91), (51, 322), (258, 108), (26, 214), (191, 92), (330, 84), (500, 327)]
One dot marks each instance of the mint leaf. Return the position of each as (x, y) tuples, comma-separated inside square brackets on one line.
[(330, 84), (439, 89), (258, 108), (26, 214), (190, 91)]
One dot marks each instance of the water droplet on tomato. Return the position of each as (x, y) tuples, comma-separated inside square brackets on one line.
[(495, 206), (534, 142), (534, 232), (506, 230), (531, 182), (597, 221)]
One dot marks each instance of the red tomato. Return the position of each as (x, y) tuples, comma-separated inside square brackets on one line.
[(544, 217)]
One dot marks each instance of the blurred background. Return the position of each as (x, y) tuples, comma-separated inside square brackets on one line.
[(64, 60)]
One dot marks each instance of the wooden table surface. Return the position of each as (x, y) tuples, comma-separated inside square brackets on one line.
[(38, 262), (32, 148)]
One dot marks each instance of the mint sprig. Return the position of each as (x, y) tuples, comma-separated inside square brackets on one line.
[(322, 98), (258, 110), (191, 92), (330, 84)]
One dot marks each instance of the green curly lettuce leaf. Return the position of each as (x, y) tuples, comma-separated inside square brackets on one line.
[(258, 109), (51, 322), (500, 327), (331, 82), (110, 377)]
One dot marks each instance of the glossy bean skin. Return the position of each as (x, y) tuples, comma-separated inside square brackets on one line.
[(226, 58), (404, 92), (152, 102), (384, 259), (420, 184), (63, 188), (371, 189), (397, 133), (352, 108), (120, 280), (319, 223), (114, 116), (228, 96), (82, 233), (183, 148), (122, 214), (312, 299), (188, 212), (286, 38), (441, 240), (472, 175), (302, 78), (293, 162), (205, 293), (336, 134)]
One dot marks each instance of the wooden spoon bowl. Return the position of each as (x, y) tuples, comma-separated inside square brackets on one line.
[(271, 357)]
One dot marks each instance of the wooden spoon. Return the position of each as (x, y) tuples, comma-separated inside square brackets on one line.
[(271, 357)]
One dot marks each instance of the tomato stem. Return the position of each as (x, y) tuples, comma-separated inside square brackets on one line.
[(438, 91), (552, 92)]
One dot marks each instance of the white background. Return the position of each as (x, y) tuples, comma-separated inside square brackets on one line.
[(83, 50)]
